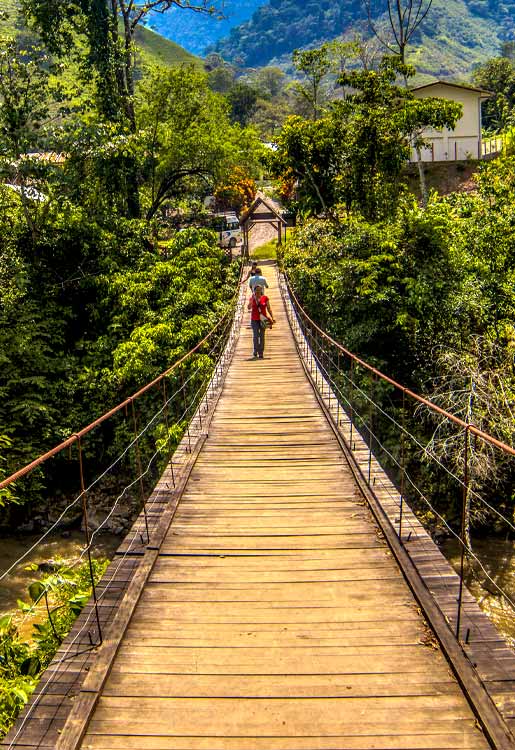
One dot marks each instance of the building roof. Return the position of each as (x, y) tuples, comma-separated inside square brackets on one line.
[(453, 86), (262, 200)]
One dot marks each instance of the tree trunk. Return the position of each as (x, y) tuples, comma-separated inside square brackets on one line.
[(422, 178)]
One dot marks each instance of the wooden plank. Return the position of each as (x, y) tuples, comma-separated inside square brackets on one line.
[(454, 740), (121, 684)]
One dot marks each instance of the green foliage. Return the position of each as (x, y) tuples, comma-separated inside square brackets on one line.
[(356, 152), (125, 313), (66, 591), (242, 100), (186, 132), (458, 35), (429, 297), (315, 64), (23, 98), (498, 76)]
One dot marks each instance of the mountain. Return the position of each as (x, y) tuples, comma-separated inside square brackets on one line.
[(456, 36), (161, 51), (153, 47), (197, 31)]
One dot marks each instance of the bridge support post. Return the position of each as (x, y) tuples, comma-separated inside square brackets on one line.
[(463, 535), (140, 469), (88, 543), (403, 463), (370, 436), (351, 411), (167, 426)]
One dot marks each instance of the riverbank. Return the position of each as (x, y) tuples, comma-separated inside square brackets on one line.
[(65, 547)]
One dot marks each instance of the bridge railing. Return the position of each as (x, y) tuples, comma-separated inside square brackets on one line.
[(112, 464), (441, 478)]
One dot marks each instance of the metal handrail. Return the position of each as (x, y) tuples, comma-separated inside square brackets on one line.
[(406, 391), (76, 436)]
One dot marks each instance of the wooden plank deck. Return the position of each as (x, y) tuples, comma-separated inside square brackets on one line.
[(275, 617)]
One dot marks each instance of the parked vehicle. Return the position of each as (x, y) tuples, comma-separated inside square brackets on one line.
[(229, 230)]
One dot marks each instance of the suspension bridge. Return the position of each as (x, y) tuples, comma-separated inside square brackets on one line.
[(277, 592)]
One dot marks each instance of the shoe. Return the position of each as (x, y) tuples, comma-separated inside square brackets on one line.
[(261, 356), (254, 356)]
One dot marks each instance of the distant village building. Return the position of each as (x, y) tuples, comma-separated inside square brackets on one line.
[(465, 141)]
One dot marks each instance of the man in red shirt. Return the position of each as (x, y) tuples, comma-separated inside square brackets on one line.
[(261, 312)]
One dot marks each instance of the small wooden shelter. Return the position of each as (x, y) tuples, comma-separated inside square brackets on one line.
[(263, 210)]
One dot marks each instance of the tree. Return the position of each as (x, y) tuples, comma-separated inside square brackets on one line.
[(270, 81), (405, 17), (109, 28), (315, 64), (356, 152), (24, 100), (222, 79), (236, 192), (242, 100), (310, 152), (498, 76), (419, 113), (221, 74), (188, 137), (358, 52), (384, 120)]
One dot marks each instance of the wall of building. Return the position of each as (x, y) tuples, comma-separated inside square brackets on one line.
[(464, 142)]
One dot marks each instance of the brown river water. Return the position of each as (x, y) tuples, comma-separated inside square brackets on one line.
[(498, 558), (55, 546)]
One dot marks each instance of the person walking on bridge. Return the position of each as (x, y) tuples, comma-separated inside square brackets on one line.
[(257, 279), (252, 272), (261, 318)]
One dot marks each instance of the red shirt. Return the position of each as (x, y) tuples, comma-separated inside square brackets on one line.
[(257, 310)]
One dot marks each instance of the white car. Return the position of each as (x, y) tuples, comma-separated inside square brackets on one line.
[(228, 228)]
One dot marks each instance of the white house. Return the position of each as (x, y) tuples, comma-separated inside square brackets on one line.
[(464, 142)]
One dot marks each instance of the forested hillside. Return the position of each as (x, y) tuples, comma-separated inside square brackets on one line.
[(461, 33), (153, 47)]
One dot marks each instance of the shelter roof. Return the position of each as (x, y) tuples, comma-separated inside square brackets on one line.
[(261, 200)]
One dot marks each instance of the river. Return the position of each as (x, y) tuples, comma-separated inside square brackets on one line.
[(498, 558), (55, 546)]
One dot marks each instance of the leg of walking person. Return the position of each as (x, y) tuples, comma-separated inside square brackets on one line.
[(256, 331), (261, 344)]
